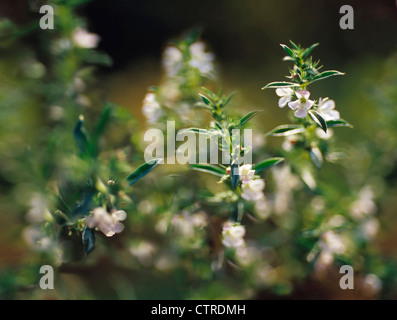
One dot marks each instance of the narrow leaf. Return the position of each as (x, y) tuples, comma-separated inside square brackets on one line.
[(309, 50), (316, 156), (227, 100), (326, 74), (206, 100), (142, 171), (266, 164), (318, 119), (280, 84), (234, 175), (338, 123), (287, 50), (286, 130), (217, 171), (80, 135), (88, 239), (246, 118)]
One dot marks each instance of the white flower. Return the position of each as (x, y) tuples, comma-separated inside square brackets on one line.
[(286, 96), (84, 39), (246, 173), (151, 108), (364, 205), (302, 104), (108, 224), (233, 235), (326, 108), (172, 60), (201, 60), (253, 190), (332, 242)]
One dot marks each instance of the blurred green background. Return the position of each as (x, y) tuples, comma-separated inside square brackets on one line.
[(245, 37)]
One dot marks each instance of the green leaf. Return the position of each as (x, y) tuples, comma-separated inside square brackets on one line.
[(266, 164), (326, 74), (296, 47), (209, 168), (194, 130), (308, 50), (227, 100), (99, 58), (234, 175), (88, 239), (246, 118), (142, 171), (318, 119), (81, 136), (206, 100), (287, 50), (339, 123), (104, 120), (316, 156), (286, 130), (280, 84)]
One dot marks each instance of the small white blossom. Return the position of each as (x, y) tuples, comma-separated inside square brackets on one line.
[(151, 108), (285, 95), (302, 105), (332, 243), (84, 39), (372, 283), (246, 173), (364, 205), (327, 109), (369, 228), (108, 224), (172, 60), (253, 190), (201, 60), (233, 235)]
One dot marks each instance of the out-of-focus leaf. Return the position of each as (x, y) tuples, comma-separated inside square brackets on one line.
[(88, 239), (99, 58), (81, 136), (316, 156), (142, 171), (234, 175), (280, 84), (209, 168), (266, 164), (318, 119), (286, 130)]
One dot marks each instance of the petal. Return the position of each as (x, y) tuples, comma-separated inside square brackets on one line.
[(328, 105), (293, 105), (119, 215), (283, 101), (118, 227), (301, 113), (302, 94), (308, 104), (333, 115), (282, 92)]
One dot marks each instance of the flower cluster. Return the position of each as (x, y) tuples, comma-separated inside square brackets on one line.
[(251, 186), (108, 224), (233, 235)]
